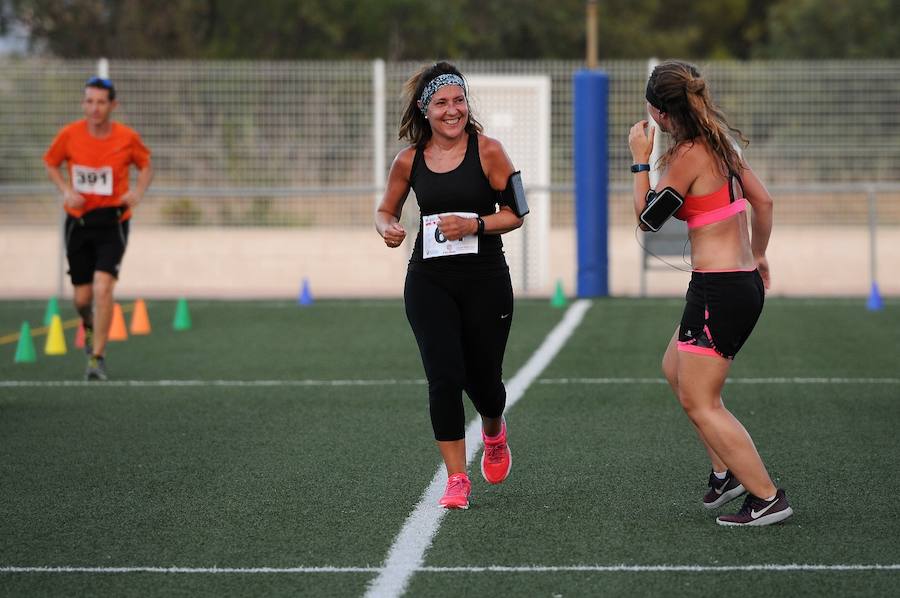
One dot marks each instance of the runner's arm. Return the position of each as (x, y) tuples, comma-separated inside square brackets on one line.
[(387, 215), (134, 196), (497, 167), (71, 198)]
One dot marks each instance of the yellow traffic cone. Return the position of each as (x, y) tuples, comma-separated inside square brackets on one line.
[(56, 340)]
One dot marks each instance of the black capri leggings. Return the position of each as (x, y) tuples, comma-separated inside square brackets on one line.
[(461, 326)]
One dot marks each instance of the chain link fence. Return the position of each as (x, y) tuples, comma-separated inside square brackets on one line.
[(294, 144), (268, 172)]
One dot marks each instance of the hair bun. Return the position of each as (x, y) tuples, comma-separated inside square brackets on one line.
[(696, 85)]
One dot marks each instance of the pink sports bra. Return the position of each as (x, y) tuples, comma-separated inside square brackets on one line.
[(700, 210)]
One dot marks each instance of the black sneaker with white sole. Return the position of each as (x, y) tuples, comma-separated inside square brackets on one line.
[(722, 491), (758, 511)]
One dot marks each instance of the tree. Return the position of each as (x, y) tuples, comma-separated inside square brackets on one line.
[(834, 29), (464, 29), (121, 29)]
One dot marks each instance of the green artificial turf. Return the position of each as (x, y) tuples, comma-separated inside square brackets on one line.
[(281, 474)]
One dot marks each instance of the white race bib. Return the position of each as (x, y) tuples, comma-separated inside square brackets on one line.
[(434, 244), (96, 181)]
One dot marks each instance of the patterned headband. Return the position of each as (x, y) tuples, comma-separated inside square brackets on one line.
[(437, 83)]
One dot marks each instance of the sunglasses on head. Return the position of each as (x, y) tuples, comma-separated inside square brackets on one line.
[(104, 83)]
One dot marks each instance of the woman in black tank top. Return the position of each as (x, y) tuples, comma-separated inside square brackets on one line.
[(458, 293)]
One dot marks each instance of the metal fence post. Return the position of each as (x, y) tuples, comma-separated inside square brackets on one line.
[(874, 302), (655, 155), (873, 251), (378, 134)]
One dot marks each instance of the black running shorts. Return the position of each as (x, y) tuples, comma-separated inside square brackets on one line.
[(92, 247), (720, 312)]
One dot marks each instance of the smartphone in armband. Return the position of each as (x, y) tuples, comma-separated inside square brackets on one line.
[(514, 194), (660, 207)]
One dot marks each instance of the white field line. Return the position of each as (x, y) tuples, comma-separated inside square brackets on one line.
[(408, 382), (662, 380), (407, 553), (656, 568), (391, 302), (486, 569), (235, 383), (194, 570)]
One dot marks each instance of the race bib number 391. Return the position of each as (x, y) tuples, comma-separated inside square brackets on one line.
[(435, 244), (96, 181)]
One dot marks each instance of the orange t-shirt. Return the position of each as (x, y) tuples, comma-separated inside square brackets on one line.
[(98, 167)]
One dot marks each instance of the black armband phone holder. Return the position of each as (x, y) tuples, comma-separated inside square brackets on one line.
[(514, 194), (660, 207)]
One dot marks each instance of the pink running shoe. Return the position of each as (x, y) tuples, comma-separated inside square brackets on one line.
[(457, 494), (496, 461)]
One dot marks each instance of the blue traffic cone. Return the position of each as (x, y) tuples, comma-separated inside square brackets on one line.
[(305, 297), (875, 303)]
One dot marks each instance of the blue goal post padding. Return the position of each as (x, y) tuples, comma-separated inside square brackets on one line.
[(592, 181)]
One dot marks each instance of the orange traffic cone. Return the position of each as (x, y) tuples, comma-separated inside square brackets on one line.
[(79, 336), (140, 321), (117, 330)]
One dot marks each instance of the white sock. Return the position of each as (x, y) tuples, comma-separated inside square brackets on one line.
[(771, 498), (720, 475)]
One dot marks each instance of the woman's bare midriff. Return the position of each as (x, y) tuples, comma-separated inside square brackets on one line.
[(723, 245)]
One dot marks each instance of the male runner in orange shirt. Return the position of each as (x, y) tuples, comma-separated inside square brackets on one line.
[(96, 197)]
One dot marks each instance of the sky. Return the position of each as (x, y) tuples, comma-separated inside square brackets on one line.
[(15, 41)]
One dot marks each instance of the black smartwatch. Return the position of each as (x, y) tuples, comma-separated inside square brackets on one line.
[(636, 168), (480, 222)]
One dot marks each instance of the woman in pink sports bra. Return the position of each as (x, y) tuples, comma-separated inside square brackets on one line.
[(727, 288)]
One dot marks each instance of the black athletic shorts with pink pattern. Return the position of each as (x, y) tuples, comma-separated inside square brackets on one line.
[(720, 312)]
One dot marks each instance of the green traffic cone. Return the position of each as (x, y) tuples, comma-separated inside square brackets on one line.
[(52, 310), (25, 348), (559, 298), (182, 316)]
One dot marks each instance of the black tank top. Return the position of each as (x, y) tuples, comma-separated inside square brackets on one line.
[(463, 189)]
